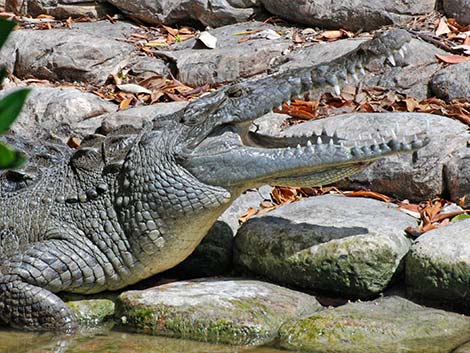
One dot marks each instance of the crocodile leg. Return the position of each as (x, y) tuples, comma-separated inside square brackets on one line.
[(30, 279)]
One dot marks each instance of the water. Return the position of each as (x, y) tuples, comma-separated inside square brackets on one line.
[(106, 341)]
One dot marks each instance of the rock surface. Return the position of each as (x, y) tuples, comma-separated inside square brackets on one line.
[(92, 312), (65, 54), (404, 176), (341, 245), (208, 13), (61, 9), (458, 9), (438, 265), (226, 311), (350, 15), (57, 111), (452, 82), (390, 324), (231, 59)]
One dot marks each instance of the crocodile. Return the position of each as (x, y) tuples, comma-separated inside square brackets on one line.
[(132, 203)]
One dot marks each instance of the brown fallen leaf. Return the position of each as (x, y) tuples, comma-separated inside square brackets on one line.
[(248, 214), (452, 58), (442, 28), (368, 194)]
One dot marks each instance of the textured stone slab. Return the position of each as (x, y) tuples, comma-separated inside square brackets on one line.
[(391, 324), (350, 14), (54, 110), (348, 246), (403, 176), (64, 54), (452, 82), (231, 59), (60, 9), (226, 311), (438, 265), (209, 13)]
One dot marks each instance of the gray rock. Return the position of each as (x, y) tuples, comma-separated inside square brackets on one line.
[(232, 59), (458, 9), (64, 54), (57, 111), (452, 82), (457, 177), (402, 176), (351, 15), (143, 67), (348, 246), (208, 13), (60, 9), (438, 265), (92, 312), (390, 324), (135, 116), (227, 311)]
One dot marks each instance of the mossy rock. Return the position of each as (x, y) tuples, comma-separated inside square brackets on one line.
[(92, 312), (221, 311), (389, 325)]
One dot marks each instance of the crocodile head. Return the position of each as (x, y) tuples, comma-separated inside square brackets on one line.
[(219, 149)]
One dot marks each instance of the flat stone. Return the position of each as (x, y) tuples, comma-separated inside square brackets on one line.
[(458, 9), (350, 15), (457, 176), (465, 348), (402, 176), (232, 59), (208, 13), (60, 9), (348, 246), (452, 82), (92, 312), (390, 324), (64, 54), (57, 110), (233, 311), (136, 116), (438, 265)]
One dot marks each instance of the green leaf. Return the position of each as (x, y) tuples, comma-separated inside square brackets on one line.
[(10, 107), (6, 27), (460, 217), (10, 158)]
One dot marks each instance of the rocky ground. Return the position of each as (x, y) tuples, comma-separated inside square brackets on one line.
[(100, 64)]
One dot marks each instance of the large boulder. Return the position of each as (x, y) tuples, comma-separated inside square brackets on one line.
[(60, 9), (348, 246), (458, 9), (391, 324), (214, 13), (67, 54), (438, 266), (232, 59), (233, 311), (352, 15), (452, 82)]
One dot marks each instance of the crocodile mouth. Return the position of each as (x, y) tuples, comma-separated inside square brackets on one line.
[(232, 155)]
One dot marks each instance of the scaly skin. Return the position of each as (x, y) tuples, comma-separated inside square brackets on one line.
[(132, 204)]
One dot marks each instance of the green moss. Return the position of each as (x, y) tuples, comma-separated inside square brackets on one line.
[(93, 311)]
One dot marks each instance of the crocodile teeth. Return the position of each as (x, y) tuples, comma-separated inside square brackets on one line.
[(279, 107), (330, 143), (319, 141), (391, 59), (355, 77), (309, 143), (401, 52), (337, 90)]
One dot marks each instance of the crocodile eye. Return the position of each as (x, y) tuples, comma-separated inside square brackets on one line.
[(235, 91)]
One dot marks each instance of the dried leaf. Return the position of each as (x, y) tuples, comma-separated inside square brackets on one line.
[(247, 215), (369, 194), (133, 88), (331, 35), (442, 28), (452, 59)]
